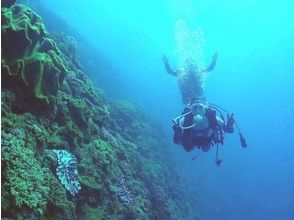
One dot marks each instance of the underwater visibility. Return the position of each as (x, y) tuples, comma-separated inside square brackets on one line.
[(134, 110)]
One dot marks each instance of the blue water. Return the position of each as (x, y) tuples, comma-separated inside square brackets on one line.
[(253, 78)]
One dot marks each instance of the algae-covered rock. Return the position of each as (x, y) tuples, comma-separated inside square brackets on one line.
[(31, 63), (59, 207), (68, 46), (79, 111), (104, 153), (90, 182), (23, 175), (7, 3), (121, 152), (91, 213)]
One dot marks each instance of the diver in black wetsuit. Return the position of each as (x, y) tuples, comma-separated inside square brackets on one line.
[(199, 126)]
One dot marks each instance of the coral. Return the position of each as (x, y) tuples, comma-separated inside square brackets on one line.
[(7, 98), (59, 205), (67, 171), (130, 121), (68, 46), (123, 192), (79, 112), (90, 183), (23, 175), (104, 154), (5, 196), (30, 62), (89, 213), (124, 167), (89, 101)]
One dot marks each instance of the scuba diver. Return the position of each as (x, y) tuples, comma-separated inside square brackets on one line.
[(189, 77), (203, 125)]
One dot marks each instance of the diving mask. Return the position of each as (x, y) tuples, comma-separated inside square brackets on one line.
[(198, 118), (198, 109)]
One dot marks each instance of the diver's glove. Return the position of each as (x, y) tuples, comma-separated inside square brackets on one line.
[(176, 129), (213, 63), (230, 123), (214, 57), (165, 58)]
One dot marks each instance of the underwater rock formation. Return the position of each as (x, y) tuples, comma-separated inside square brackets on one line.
[(107, 138), (7, 3), (31, 63)]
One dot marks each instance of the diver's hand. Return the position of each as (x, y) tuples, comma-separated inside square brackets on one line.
[(231, 119), (165, 58), (230, 123), (212, 64), (214, 57), (176, 128)]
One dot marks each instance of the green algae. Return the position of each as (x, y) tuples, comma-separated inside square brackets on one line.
[(57, 199), (92, 213), (29, 59), (26, 188), (90, 182)]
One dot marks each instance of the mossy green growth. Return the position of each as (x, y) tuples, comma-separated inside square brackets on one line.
[(90, 182), (23, 175), (88, 213), (31, 62), (130, 119), (21, 29), (58, 199), (72, 133), (104, 153), (79, 112)]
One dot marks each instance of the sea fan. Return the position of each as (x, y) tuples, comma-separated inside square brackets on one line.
[(67, 171), (124, 193)]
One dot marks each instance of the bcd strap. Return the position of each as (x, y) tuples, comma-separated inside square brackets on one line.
[(188, 120), (211, 116)]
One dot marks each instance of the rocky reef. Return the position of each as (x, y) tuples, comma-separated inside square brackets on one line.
[(49, 105)]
